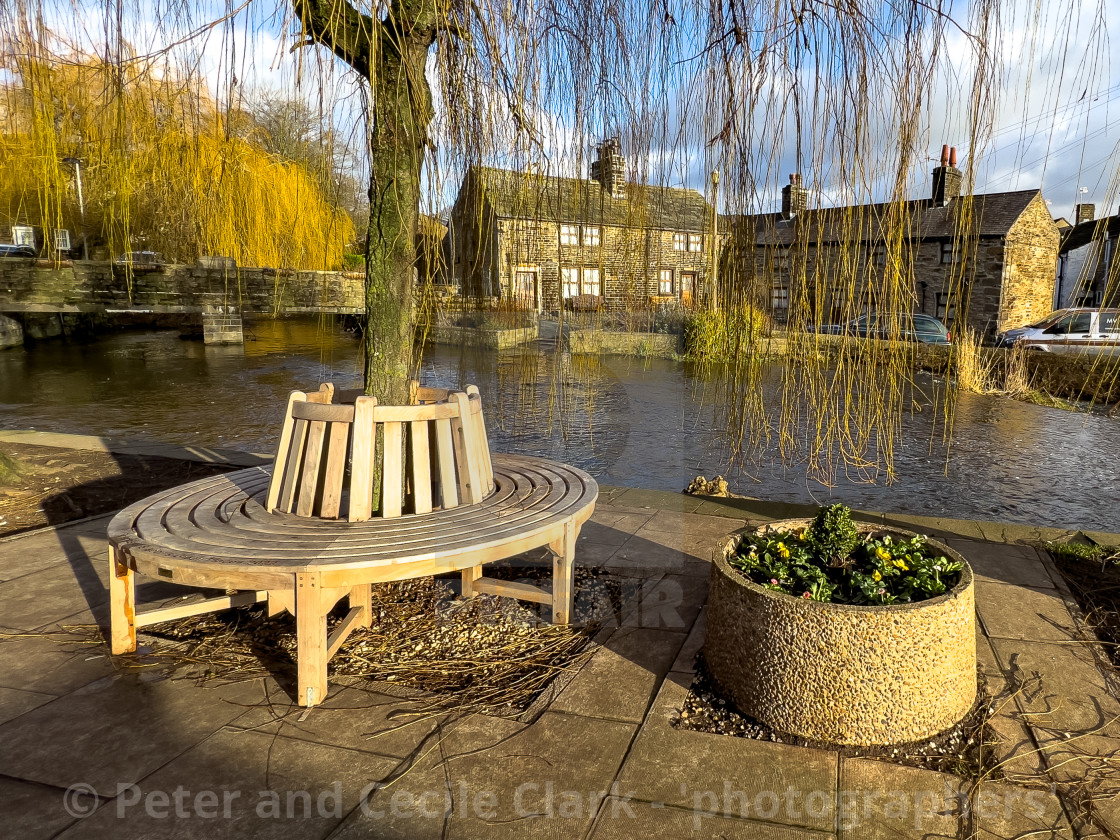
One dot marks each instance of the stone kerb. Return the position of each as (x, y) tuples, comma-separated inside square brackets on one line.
[(838, 673)]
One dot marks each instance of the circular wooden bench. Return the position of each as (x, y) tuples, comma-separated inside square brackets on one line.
[(412, 510)]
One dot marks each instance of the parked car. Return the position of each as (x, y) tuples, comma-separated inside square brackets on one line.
[(1068, 331), (924, 329), (141, 260), (8, 250)]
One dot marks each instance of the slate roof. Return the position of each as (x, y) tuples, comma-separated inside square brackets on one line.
[(525, 195), (1084, 233), (992, 214)]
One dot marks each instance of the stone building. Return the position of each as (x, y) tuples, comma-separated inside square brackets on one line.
[(536, 240), (1086, 273), (982, 260)]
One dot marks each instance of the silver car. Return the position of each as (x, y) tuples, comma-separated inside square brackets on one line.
[(1069, 331)]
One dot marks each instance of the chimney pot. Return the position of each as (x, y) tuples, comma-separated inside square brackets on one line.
[(953, 156), (945, 155)]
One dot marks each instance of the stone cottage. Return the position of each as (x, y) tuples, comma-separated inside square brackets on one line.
[(982, 260), (1086, 273), (536, 240)]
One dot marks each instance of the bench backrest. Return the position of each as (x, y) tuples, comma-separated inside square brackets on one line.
[(344, 455)]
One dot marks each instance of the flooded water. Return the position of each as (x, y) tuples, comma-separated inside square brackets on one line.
[(626, 421)]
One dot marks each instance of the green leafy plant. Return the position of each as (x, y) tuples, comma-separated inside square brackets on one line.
[(833, 534), (725, 334), (877, 569)]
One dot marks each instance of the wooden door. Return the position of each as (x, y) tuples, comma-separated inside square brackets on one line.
[(688, 286), (525, 289)]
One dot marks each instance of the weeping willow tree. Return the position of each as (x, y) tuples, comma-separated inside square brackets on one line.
[(848, 96), (161, 170)]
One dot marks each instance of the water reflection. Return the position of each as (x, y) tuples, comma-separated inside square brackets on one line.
[(631, 422)]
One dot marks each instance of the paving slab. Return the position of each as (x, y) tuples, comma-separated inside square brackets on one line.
[(354, 718), (620, 680), (622, 820), (685, 769), (1021, 612), (23, 554), (878, 800), (686, 657), (117, 730), (640, 557), (51, 664), (671, 602), (237, 784), (657, 499), (1020, 565), (545, 780), (38, 812), (1001, 811), (15, 702)]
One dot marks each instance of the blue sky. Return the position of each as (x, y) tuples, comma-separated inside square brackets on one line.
[(1052, 120)]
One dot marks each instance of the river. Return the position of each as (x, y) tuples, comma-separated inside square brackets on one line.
[(630, 422)]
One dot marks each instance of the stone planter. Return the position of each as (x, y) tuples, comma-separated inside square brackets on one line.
[(837, 673)]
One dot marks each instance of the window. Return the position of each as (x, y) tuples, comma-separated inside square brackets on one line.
[(779, 303), (591, 284), (695, 242), (946, 308), (591, 236), (680, 241), (569, 234), (62, 240), (878, 255), (23, 235), (949, 254), (569, 282), (665, 282)]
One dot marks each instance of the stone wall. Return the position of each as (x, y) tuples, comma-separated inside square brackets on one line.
[(33, 285), (11, 333), (601, 342), (1029, 275), (490, 339)]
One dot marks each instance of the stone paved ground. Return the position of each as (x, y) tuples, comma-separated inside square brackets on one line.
[(89, 751)]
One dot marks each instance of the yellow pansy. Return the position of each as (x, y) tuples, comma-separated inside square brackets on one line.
[(877, 576), (882, 553), (901, 564), (783, 552)]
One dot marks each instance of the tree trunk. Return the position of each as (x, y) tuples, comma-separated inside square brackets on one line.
[(392, 55), (402, 111)]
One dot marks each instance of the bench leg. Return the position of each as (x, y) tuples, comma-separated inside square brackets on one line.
[(469, 577), (311, 640), (360, 596), (122, 605), (563, 574)]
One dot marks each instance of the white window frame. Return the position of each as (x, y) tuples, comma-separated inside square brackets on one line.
[(680, 241), (61, 239), (23, 235), (695, 243), (569, 281), (665, 282), (591, 282), (569, 234), (592, 235)]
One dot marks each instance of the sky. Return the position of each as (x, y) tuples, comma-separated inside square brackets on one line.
[(1051, 121)]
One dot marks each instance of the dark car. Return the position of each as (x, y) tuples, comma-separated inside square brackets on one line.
[(7, 250), (924, 329)]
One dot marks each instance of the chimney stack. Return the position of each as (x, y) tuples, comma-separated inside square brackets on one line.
[(946, 178), (1084, 213), (795, 198), (610, 169)]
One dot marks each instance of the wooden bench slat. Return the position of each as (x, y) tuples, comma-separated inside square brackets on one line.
[(312, 457), (335, 473), (392, 495), (420, 466)]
